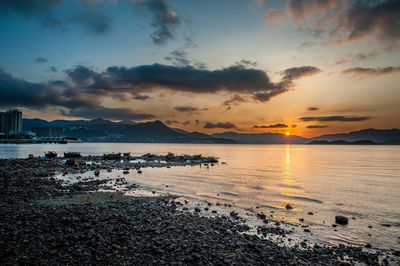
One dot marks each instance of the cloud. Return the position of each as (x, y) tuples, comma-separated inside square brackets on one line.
[(141, 97), (29, 8), (246, 63), (279, 125), (235, 100), (189, 109), (53, 69), (316, 126), (186, 123), (18, 92), (234, 79), (94, 22), (85, 87), (335, 118), (299, 72), (378, 18), (170, 122), (274, 17), (226, 125), (108, 113), (358, 57), (312, 108), (372, 72), (343, 21), (300, 10), (40, 60), (164, 20), (178, 58)]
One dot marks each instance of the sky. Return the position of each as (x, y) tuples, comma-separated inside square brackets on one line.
[(307, 67)]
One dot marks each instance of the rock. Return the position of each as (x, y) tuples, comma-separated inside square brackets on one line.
[(261, 216), (368, 245), (125, 172), (197, 209), (234, 214), (301, 219), (96, 172), (72, 155), (310, 213), (139, 171), (307, 230), (288, 207), (386, 225), (341, 220), (116, 246)]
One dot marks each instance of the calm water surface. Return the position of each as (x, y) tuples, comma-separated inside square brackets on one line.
[(360, 182)]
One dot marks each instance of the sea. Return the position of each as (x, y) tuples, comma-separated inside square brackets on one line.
[(319, 182)]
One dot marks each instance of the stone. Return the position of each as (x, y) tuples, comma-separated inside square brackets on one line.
[(341, 220)]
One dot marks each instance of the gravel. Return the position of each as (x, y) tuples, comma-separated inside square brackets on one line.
[(45, 221)]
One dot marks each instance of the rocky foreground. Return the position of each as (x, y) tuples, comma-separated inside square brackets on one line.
[(44, 220)]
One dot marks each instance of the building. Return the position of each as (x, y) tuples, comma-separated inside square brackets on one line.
[(48, 131), (10, 122)]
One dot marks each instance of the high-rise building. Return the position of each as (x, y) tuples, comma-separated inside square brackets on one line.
[(11, 122)]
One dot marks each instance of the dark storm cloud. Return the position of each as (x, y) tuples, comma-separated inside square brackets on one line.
[(40, 60), (94, 22), (335, 118), (312, 108), (188, 79), (316, 126), (86, 87), (233, 79), (108, 113), (226, 125), (379, 71), (279, 125), (14, 91), (164, 20)]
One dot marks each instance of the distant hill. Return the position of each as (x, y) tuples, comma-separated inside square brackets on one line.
[(376, 135), (263, 138), (342, 142), (100, 130)]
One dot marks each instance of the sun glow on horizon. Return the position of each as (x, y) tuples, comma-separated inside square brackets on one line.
[(287, 133)]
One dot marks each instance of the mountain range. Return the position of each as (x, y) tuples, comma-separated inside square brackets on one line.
[(100, 130)]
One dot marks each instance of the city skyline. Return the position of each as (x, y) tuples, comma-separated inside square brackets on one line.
[(304, 67)]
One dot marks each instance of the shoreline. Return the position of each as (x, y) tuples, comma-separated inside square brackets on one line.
[(47, 218)]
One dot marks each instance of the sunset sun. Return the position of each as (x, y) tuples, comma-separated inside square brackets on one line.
[(287, 133)]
